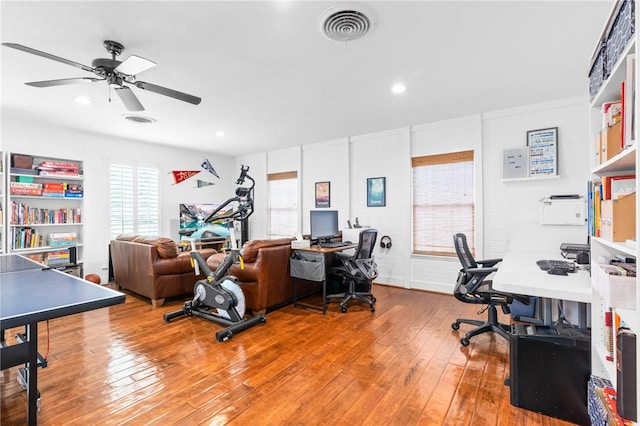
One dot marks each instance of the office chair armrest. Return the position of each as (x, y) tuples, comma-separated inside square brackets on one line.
[(488, 262), (481, 271)]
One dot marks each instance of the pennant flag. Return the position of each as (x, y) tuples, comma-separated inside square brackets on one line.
[(182, 175), (202, 183), (207, 166)]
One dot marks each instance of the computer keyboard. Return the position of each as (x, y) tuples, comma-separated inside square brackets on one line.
[(335, 244), (556, 264)]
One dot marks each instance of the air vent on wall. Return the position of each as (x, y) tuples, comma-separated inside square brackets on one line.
[(139, 119), (346, 22)]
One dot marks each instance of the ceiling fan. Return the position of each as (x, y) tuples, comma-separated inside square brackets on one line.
[(114, 72)]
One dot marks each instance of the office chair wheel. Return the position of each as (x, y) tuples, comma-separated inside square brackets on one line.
[(343, 309), (455, 325), (374, 300), (464, 341), (373, 309)]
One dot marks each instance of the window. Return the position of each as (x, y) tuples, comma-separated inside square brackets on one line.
[(443, 202), (133, 200), (283, 204)]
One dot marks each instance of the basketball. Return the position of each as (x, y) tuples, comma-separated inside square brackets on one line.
[(94, 278)]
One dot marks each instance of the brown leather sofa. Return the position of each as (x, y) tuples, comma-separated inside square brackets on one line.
[(265, 280), (153, 267)]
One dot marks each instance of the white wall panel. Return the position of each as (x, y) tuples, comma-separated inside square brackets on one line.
[(512, 220), (326, 162), (385, 154)]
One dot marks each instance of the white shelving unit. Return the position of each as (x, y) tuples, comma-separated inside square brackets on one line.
[(3, 209), (624, 163), (53, 215)]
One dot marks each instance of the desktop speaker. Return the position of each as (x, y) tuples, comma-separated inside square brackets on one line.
[(385, 242)]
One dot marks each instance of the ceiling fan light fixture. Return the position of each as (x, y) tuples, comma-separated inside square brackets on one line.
[(114, 81)]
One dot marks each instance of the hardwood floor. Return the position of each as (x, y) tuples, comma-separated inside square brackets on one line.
[(401, 365)]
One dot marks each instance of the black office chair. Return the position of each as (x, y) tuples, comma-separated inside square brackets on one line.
[(473, 287), (357, 270)]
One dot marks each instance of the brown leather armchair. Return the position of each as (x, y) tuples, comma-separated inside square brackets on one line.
[(265, 279), (152, 267)]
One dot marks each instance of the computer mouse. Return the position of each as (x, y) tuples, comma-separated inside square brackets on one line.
[(557, 271), (347, 242)]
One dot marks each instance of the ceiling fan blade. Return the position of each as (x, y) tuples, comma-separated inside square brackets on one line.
[(134, 65), (47, 55), (129, 99), (168, 92), (63, 81)]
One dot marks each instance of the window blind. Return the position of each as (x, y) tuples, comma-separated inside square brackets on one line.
[(283, 204), (443, 202), (133, 200)]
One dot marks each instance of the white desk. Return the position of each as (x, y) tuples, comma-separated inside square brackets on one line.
[(519, 273)]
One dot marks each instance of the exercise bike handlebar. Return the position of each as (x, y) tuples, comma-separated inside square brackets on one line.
[(244, 198)]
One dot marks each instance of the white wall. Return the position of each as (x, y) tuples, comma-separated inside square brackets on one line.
[(507, 212), (95, 151), (507, 215)]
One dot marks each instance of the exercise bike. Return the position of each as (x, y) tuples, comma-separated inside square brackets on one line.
[(218, 297)]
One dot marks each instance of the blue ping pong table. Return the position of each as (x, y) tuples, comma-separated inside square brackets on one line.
[(29, 293)]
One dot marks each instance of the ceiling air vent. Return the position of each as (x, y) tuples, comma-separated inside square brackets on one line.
[(139, 119), (346, 22)]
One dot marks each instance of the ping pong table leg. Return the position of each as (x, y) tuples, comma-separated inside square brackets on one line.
[(32, 374)]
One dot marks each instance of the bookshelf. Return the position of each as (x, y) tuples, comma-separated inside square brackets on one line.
[(615, 299), (44, 204)]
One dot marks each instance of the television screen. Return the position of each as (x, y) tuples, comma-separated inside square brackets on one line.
[(192, 223), (324, 224)]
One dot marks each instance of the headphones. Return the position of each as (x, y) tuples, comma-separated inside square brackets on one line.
[(385, 242)]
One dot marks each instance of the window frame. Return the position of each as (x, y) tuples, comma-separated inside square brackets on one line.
[(135, 199), (437, 160), (272, 177)]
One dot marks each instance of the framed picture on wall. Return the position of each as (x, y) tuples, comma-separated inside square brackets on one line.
[(323, 194), (543, 152), (376, 196)]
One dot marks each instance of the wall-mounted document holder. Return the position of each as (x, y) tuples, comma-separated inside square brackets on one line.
[(563, 210)]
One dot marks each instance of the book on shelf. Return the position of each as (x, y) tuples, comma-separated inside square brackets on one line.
[(615, 186), (54, 186), (21, 171), (611, 113), (74, 194), (63, 239), (58, 165), (25, 188), (58, 173)]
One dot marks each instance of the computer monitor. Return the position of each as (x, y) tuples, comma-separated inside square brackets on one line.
[(324, 224)]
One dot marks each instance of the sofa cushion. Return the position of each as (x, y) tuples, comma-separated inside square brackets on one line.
[(250, 248), (166, 247)]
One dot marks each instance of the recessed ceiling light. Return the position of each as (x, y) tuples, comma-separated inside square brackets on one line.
[(82, 100), (221, 134), (398, 88)]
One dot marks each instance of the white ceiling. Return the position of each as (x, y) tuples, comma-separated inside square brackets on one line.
[(270, 79)]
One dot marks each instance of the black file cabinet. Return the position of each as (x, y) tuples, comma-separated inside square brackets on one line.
[(549, 371)]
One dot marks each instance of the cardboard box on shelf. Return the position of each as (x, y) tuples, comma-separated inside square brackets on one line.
[(610, 142), (618, 218)]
